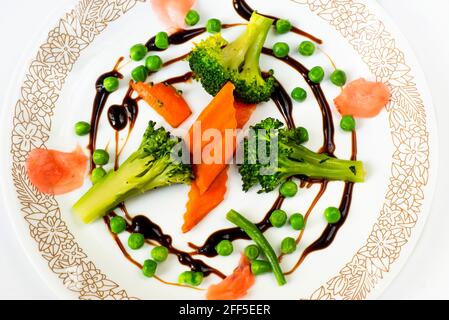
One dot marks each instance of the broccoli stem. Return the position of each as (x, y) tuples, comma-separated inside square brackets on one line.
[(117, 186), (330, 169), (246, 49), (259, 25)]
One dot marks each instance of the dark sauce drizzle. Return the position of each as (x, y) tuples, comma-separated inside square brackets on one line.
[(180, 79), (152, 231), (231, 234), (101, 96), (184, 35), (331, 230), (284, 104), (328, 124), (245, 11)]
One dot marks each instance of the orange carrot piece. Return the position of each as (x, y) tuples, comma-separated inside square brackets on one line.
[(220, 115), (234, 286), (199, 205), (205, 173), (165, 100), (243, 113)]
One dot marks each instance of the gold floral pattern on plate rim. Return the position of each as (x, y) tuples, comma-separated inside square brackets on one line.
[(367, 35)]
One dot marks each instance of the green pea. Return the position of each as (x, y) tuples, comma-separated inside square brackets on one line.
[(299, 94), (213, 26), (288, 189), (100, 157), (82, 128), (161, 41), (139, 74), (117, 224), (149, 268), (278, 218), (281, 49), (338, 77), (193, 278), (332, 215), (159, 254), (259, 267), (288, 245), (192, 18), (111, 84), (185, 277), (224, 248), (306, 48), (297, 221), (97, 174), (316, 74), (153, 63), (197, 278), (303, 134), (283, 26), (138, 52), (251, 252), (347, 123), (136, 241)]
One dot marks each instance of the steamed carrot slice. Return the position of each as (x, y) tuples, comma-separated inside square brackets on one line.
[(205, 173), (165, 100), (363, 99), (243, 113), (234, 286), (219, 115), (55, 172), (199, 205)]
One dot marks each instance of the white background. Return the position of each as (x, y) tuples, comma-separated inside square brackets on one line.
[(424, 23)]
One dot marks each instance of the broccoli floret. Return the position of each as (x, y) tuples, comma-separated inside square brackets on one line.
[(272, 154), (214, 62), (153, 165)]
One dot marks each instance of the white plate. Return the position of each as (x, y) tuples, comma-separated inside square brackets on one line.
[(387, 213)]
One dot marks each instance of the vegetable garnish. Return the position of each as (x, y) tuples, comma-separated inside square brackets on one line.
[(215, 62), (281, 49), (234, 286), (254, 233), (151, 166), (288, 245), (192, 18), (259, 267), (55, 172), (219, 115), (363, 99), (224, 248), (213, 26), (192, 278), (252, 252), (293, 159), (165, 100), (199, 205), (82, 128), (283, 26), (209, 188), (172, 12)]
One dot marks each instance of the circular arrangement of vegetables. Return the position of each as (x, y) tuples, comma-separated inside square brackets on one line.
[(230, 72)]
